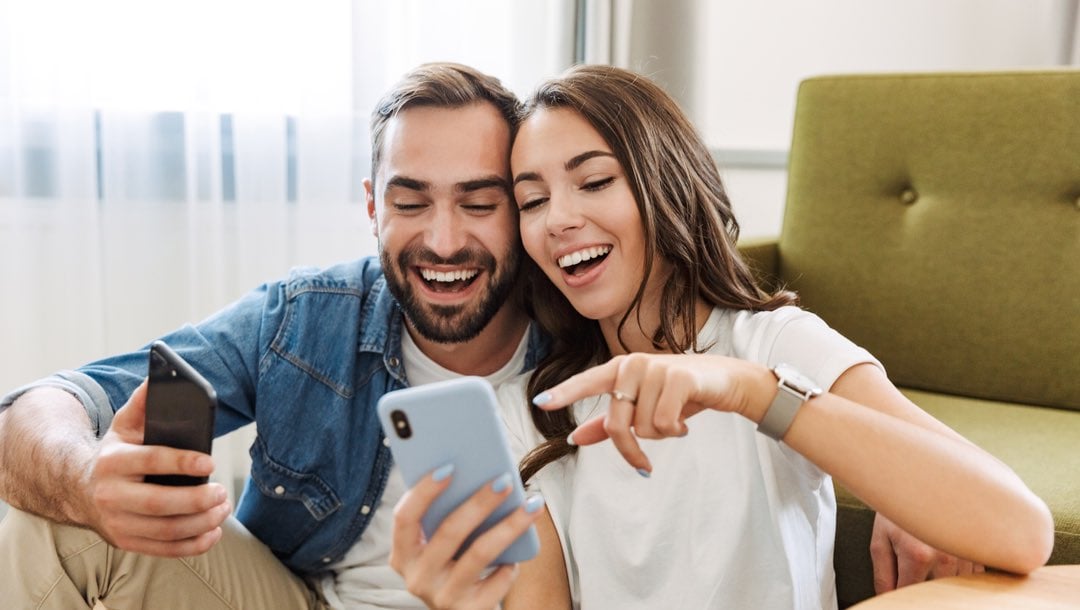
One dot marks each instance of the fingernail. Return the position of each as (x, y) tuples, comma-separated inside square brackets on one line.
[(501, 484), (221, 495), (570, 439), (442, 472), (534, 503), (644, 473), (542, 399)]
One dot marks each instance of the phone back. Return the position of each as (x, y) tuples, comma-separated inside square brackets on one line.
[(455, 422), (180, 407)]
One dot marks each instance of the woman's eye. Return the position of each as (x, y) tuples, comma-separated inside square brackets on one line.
[(531, 204), (597, 185)]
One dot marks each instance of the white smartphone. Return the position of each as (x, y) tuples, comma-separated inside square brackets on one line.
[(455, 422)]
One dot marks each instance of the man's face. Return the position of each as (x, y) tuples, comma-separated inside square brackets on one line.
[(447, 227)]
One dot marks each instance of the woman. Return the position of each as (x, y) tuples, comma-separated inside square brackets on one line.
[(660, 331)]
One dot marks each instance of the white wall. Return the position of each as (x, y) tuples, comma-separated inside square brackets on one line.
[(735, 66)]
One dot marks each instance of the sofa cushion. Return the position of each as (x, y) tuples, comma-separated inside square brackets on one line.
[(935, 220), (1041, 445)]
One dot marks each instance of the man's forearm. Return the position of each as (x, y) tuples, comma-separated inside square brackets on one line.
[(46, 447)]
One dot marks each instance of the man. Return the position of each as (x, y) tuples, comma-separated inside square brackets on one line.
[(306, 358)]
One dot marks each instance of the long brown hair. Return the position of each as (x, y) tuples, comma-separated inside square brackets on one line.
[(687, 219)]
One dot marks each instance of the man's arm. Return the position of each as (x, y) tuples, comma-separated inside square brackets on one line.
[(46, 443), (53, 466)]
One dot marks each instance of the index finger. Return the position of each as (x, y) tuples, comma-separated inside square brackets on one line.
[(408, 532), (592, 382)]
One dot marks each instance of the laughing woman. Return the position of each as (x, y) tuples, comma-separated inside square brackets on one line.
[(728, 409)]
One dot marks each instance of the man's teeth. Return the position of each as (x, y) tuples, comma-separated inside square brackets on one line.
[(448, 276), (582, 255)]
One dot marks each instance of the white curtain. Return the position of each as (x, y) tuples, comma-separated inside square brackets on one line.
[(160, 158)]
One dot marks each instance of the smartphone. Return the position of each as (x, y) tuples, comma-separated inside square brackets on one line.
[(180, 406), (455, 422)]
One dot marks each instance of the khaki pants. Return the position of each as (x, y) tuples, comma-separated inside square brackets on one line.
[(46, 565)]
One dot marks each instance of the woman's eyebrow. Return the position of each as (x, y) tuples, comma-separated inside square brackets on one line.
[(585, 156), (523, 176)]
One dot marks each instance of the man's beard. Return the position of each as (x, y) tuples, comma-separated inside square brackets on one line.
[(451, 323)]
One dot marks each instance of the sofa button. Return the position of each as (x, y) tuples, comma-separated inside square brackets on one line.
[(909, 196)]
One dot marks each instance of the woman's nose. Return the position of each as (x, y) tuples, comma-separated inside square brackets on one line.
[(563, 214)]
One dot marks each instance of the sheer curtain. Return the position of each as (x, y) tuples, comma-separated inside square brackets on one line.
[(158, 159)]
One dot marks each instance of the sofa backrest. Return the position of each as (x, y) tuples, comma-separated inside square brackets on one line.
[(935, 220)]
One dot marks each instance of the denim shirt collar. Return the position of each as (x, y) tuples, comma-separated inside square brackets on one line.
[(385, 339)]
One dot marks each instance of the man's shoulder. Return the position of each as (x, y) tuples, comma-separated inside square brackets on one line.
[(356, 277)]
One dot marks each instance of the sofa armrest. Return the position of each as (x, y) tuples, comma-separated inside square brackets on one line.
[(762, 255)]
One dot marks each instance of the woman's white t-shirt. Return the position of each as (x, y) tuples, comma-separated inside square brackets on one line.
[(730, 518)]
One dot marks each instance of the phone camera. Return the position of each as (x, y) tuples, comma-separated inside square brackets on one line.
[(401, 423)]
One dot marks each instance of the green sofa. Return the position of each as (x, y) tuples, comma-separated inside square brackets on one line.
[(935, 220)]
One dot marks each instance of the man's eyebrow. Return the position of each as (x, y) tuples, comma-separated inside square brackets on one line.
[(480, 184), (407, 183)]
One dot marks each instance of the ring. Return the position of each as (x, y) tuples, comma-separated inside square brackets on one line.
[(630, 398)]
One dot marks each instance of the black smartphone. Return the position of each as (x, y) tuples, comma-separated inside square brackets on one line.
[(180, 405)]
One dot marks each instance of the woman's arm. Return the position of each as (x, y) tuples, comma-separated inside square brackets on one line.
[(899, 460), (542, 582)]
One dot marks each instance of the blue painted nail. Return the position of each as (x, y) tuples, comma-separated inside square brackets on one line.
[(644, 473), (534, 503), (501, 484), (542, 399), (442, 472)]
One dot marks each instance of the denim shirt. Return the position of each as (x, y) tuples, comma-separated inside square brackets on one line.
[(307, 359)]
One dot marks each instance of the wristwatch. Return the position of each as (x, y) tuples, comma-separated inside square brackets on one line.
[(794, 389)]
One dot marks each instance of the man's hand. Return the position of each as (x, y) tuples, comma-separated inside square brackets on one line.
[(143, 517), (900, 559)]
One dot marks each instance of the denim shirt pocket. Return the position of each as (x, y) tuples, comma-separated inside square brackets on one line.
[(289, 504)]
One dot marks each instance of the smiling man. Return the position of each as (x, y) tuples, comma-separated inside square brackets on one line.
[(306, 358)]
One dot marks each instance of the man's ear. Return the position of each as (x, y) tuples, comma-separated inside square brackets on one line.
[(369, 199)]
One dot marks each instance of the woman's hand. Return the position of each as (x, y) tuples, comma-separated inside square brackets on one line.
[(653, 394), (428, 566)]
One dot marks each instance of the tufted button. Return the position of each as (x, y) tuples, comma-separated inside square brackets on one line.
[(393, 361), (365, 509), (279, 490), (909, 196)]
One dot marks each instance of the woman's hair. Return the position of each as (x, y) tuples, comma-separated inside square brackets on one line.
[(439, 85), (688, 223)]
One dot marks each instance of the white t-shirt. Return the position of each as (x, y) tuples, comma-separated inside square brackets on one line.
[(730, 519), (363, 579)]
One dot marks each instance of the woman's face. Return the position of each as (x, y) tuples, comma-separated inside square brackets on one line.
[(578, 217)]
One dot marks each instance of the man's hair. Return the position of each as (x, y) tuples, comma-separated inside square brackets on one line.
[(687, 220), (439, 85)]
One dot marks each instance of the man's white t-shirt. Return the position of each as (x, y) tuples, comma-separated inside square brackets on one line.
[(363, 579), (730, 519)]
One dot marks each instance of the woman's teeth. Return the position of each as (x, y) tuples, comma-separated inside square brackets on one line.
[(584, 254)]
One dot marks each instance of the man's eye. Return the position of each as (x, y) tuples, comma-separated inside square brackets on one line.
[(409, 208), (597, 185), (481, 208)]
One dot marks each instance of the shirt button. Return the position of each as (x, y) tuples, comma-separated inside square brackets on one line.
[(386, 442), (279, 490), (393, 361), (326, 560), (365, 509)]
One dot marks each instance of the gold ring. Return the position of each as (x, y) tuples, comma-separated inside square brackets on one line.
[(617, 395)]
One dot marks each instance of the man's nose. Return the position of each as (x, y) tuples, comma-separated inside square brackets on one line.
[(447, 234)]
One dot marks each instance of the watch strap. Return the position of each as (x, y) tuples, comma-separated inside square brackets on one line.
[(781, 412)]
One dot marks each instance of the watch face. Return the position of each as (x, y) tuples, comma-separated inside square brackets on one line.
[(794, 379)]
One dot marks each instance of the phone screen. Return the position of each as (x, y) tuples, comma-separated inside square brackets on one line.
[(180, 407)]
